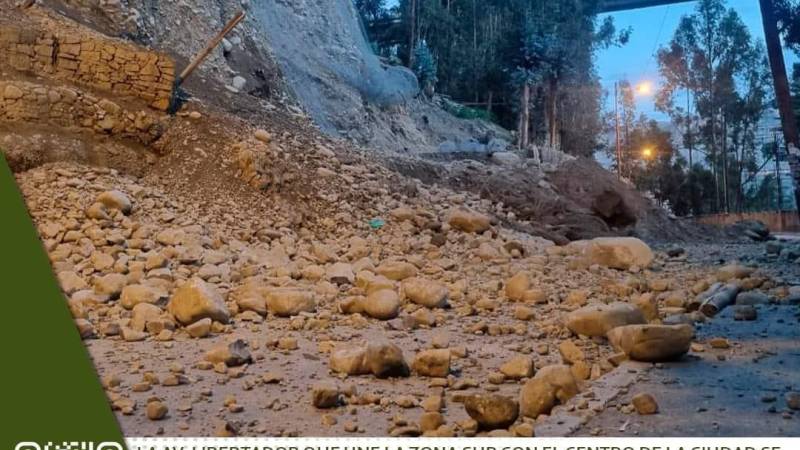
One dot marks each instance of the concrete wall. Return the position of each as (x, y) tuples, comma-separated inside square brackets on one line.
[(777, 222), (61, 50)]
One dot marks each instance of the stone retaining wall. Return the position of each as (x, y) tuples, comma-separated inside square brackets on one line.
[(62, 50), (67, 107)]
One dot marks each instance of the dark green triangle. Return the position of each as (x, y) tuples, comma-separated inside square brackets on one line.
[(49, 389)]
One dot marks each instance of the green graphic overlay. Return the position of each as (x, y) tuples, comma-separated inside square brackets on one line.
[(49, 389)]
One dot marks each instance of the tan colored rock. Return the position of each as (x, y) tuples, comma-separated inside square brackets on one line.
[(396, 270), (492, 411), (116, 200), (551, 385), (200, 329), (598, 320), (518, 367), (648, 304), (537, 397), (570, 352), (251, 296), (432, 363), (196, 300), (428, 293), (156, 410), (517, 285), (340, 273), (234, 354), (384, 360), (287, 302), (645, 404), (652, 343), (733, 272), (619, 253), (142, 314), (325, 395), (382, 305), (110, 285), (430, 421), (135, 294), (97, 211), (349, 361), (467, 220)]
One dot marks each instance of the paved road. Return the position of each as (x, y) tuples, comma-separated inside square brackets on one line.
[(720, 392)]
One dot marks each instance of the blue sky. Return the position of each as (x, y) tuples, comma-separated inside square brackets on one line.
[(636, 61), (652, 28)]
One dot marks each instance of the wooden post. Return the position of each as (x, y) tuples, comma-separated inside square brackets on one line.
[(200, 57), (782, 93)]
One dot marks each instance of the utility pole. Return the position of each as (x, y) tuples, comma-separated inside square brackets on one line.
[(782, 93)]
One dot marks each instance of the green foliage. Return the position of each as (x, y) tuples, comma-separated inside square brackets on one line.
[(716, 90), (425, 67), (485, 50), (371, 9), (788, 15), (465, 112)]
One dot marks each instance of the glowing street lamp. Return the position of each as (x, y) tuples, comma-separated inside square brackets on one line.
[(643, 88), (647, 153)]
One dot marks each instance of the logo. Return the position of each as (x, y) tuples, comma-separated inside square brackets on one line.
[(70, 445)]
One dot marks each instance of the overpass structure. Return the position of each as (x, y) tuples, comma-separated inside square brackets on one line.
[(625, 5)]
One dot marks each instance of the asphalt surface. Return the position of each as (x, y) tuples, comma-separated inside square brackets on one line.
[(738, 391)]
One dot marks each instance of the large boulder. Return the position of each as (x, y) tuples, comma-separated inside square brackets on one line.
[(287, 302), (428, 293), (196, 300), (652, 343), (551, 385), (619, 252), (467, 220), (492, 411), (598, 320)]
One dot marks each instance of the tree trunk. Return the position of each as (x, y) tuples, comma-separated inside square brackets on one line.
[(689, 125), (725, 196), (412, 39), (552, 117), (782, 93), (524, 116)]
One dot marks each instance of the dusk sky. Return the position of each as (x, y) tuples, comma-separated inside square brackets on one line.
[(652, 28), (636, 61)]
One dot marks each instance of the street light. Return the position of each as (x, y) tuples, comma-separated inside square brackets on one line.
[(647, 153), (643, 88)]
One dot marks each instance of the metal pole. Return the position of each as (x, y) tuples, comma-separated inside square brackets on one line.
[(209, 48), (782, 93)]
